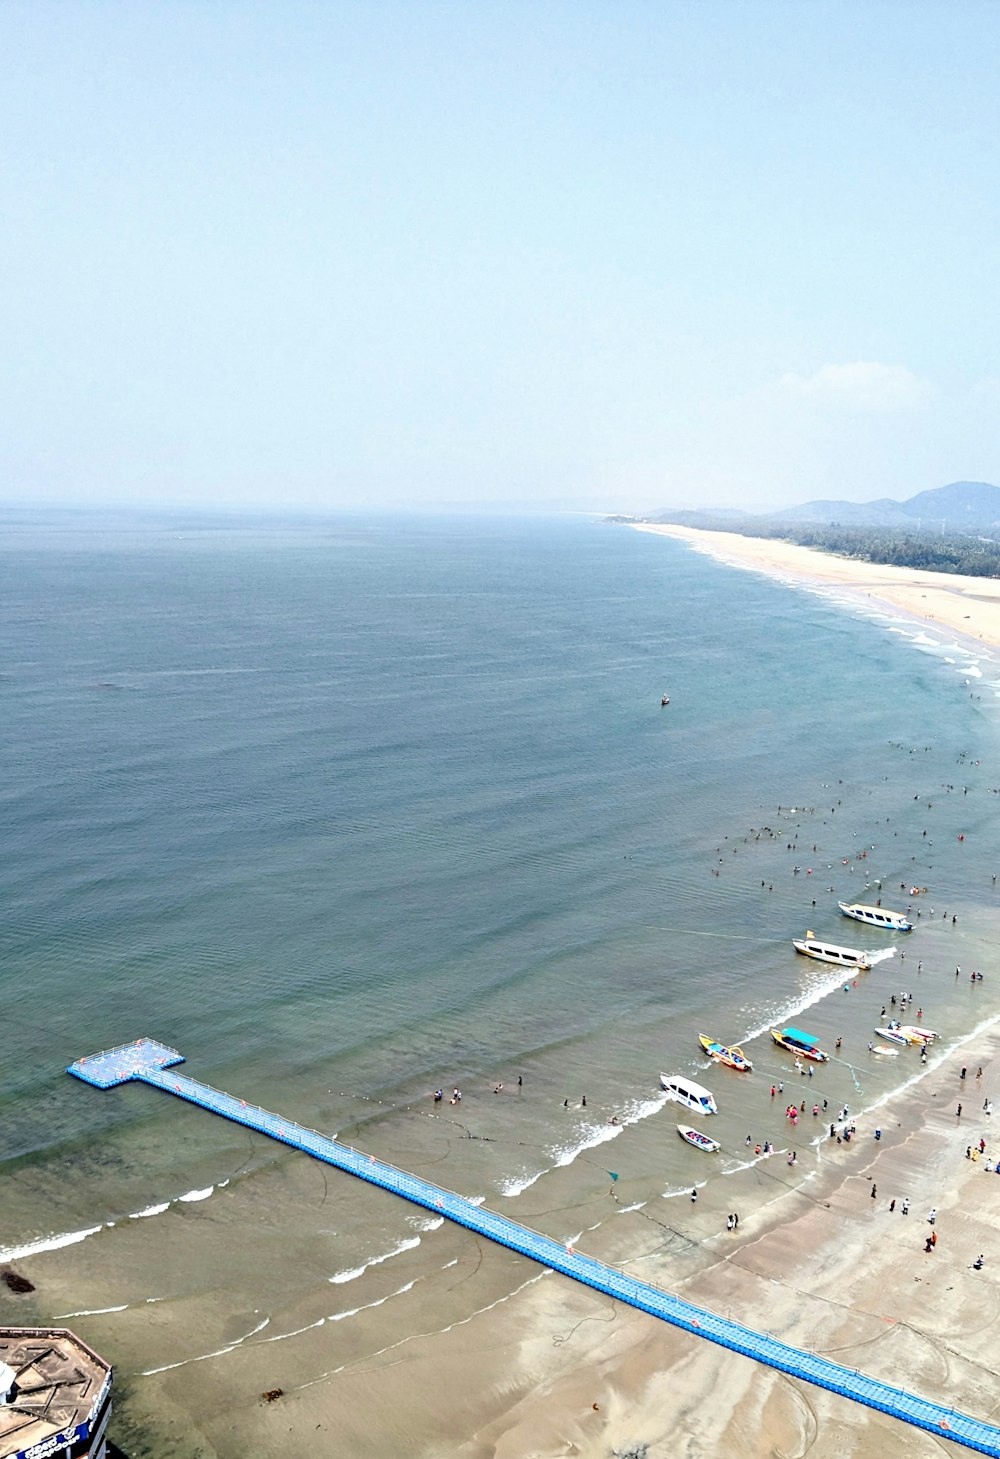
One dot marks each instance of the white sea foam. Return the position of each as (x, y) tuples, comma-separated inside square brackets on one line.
[(150, 1211), (198, 1195), (353, 1273), (353, 1311), (204, 1357), (461, 1322), (624, 1210), (48, 1243), (89, 1312), (592, 1136)]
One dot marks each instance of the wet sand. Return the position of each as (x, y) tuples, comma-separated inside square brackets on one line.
[(967, 606)]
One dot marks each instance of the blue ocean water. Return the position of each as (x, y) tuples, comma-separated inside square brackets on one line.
[(353, 809)]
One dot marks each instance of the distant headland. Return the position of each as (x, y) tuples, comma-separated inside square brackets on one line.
[(952, 529)]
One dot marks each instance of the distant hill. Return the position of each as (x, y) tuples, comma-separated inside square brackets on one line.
[(960, 507), (972, 503), (881, 513), (954, 528)]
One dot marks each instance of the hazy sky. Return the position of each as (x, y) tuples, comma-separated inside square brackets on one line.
[(564, 254)]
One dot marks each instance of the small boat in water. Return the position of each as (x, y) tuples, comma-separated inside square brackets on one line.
[(829, 952), (664, 701), (692, 1096), (876, 917), (734, 1058), (798, 1042), (885, 1050), (917, 1035), (696, 1138), (894, 1035)]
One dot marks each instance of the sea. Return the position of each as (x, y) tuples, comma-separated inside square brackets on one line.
[(352, 809)]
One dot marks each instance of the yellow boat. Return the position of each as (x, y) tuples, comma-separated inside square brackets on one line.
[(734, 1058)]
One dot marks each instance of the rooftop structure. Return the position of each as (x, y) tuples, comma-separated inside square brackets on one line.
[(55, 1395)]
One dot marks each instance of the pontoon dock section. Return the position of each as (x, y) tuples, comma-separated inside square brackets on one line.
[(151, 1063)]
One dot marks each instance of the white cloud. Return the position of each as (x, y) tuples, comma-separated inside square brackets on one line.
[(864, 385)]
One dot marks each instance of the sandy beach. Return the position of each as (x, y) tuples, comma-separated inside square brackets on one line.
[(967, 606)]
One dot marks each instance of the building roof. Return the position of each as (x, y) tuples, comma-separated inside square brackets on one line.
[(60, 1385)]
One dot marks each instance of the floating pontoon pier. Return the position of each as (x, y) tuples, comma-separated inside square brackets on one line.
[(151, 1063)]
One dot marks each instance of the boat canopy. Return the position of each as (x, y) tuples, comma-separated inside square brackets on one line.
[(799, 1036)]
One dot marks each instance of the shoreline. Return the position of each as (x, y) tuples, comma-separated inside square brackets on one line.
[(968, 607), (825, 1268)]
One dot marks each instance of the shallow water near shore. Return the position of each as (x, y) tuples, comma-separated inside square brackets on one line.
[(351, 811)]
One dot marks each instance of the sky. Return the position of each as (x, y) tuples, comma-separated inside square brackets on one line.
[(540, 255)]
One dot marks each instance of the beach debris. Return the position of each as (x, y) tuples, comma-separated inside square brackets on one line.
[(637, 1451), (14, 1282), (271, 1395)]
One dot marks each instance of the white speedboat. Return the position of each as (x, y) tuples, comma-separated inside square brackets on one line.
[(893, 1035), (829, 952), (692, 1096), (696, 1138), (876, 917)]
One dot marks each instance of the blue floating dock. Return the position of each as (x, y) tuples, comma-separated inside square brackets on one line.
[(153, 1063)]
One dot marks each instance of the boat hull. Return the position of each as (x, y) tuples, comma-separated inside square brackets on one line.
[(801, 1051), (694, 1097), (829, 952), (876, 917), (697, 1139), (893, 1035), (733, 1058)]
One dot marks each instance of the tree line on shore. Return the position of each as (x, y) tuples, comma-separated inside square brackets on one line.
[(900, 546)]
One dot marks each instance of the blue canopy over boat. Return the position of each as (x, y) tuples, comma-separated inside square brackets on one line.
[(799, 1036)]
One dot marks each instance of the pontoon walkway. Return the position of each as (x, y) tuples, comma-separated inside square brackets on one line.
[(149, 1062)]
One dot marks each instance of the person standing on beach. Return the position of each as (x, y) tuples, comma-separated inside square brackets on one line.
[(694, 1194), (905, 1207)]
